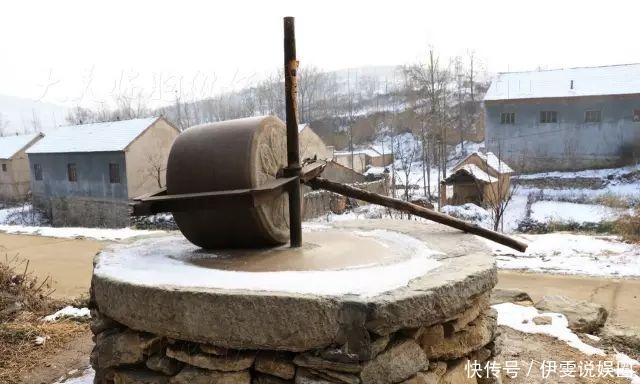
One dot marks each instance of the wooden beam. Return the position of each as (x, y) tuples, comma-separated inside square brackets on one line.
[(404, 206), (197, 201)]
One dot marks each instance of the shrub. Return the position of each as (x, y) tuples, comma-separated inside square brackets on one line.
[(20, 290), (628, 226), (613, 200)]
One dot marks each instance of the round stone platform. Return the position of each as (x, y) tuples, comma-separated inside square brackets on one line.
[(352, 286)]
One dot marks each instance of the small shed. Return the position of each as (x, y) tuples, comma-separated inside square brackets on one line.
[(14, 174), (482, 179), (361, 159)]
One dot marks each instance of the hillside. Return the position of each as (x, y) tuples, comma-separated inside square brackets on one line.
[(19, 115)]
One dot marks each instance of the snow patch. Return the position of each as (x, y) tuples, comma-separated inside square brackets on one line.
[(87, 378), (521, 318), (69, 312), (545, 211), (469, 212), (78, 232), (589, 173), (627, 361), (571, 254)]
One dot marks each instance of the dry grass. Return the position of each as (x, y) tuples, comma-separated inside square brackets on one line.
[(613, 200), (18, 285), (628, 226), (19, 353)]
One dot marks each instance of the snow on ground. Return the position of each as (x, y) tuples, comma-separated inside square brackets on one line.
[(469, 212), (69, 312), (515, 211), (629, 192), (621, 358), (79, 232), (23, 219), (86, 378), (589, 173), (20, 215), (571, 254), (521, 318), (546, 211), (164, 261)]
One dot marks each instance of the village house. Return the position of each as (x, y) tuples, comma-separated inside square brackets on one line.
[(84, 175), (481, 179), (361, 159), (14, 175), (565, 119)]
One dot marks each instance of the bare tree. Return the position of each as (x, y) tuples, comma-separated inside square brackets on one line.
[(430, 81), (498, 195), (407, 151), (36, 125), (310, 82), (4, 124), (156, 166)]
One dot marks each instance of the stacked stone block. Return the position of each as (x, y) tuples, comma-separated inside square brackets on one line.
[(430, 354)]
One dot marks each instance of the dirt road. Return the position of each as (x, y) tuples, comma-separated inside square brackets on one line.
[(621, 297), (68, 262)]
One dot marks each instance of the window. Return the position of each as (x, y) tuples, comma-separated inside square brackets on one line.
[(72, 172), (114, 173), (636, 115), (37, 171), (592, 117), (547, 117), (4, 167), (507, 118)]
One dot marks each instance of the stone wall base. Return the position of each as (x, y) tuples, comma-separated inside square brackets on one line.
[(432, 354), (81, 212)]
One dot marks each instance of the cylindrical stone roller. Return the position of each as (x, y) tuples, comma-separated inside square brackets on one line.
[(234, 154)]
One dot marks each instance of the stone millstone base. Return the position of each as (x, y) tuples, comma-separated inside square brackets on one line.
[(436, 354), (421, 333)]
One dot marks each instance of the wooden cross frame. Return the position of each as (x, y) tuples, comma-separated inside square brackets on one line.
[(293, 175)]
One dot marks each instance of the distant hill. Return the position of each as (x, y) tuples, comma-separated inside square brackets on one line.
[(25, 115), (380, 79)]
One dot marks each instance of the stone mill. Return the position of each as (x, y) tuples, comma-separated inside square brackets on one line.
[(229, 301)]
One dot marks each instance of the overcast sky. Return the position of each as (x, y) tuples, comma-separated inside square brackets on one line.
[(71, 52)]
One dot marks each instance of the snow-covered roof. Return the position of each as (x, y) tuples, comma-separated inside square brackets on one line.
[(569, 82), (10, 145), (386, 149), (491, 160), (477, 173), (494, 162), (368, 151), (99, 137)]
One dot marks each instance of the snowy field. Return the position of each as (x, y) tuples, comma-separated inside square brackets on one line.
[(571, 254)]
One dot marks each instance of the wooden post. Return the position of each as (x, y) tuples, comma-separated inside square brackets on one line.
[(417, 210), (293, 148)]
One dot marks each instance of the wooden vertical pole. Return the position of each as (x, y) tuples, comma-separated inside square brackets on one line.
[(293, 148)]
